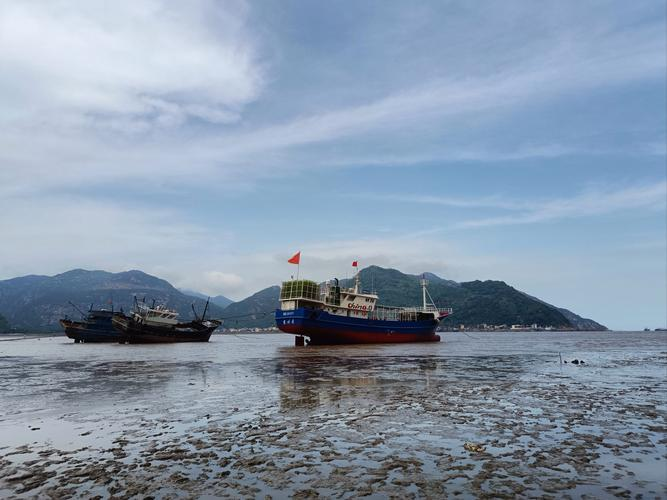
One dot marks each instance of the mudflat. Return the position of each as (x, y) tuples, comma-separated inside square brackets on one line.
[(478, 414)]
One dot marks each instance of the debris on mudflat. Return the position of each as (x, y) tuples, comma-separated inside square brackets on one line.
[(473, 448)]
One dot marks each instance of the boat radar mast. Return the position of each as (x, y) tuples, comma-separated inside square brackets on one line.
[(424, 284), (357, 282), (428, 304)]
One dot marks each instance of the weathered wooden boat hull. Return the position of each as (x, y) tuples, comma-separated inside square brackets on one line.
[(133, 332), (97, 328)]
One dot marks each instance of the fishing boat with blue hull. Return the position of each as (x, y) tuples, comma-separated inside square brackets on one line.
[(95, 326), (331, 314)]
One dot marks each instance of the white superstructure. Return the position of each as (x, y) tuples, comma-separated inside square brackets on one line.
[(159, 315)]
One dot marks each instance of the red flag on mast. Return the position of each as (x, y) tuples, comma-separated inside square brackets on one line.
[(354, 264), (295, 258)]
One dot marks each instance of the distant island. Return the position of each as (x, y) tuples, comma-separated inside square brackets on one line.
[(36, 303)]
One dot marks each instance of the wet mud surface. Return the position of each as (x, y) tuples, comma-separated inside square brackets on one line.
[(490, 416)]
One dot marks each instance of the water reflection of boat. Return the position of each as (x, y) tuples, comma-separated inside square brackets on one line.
[(95, 326), (346, 374), (330, 314), (315, 382), (157, 324)]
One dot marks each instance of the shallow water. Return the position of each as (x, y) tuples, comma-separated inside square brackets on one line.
[(251, 415)]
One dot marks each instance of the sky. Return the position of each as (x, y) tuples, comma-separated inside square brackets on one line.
[(206, 142)]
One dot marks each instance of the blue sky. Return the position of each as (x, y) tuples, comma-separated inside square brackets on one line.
[(206, 142)]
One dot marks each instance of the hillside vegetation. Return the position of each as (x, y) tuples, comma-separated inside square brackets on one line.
[(474, 303), (4, 324), (36, 303)]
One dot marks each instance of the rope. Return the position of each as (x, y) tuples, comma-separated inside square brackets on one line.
[(469, 336), (246, 315), (33, 337)]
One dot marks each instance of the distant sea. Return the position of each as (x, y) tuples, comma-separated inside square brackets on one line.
[(477, 414)]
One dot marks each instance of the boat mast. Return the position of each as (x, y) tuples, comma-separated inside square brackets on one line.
[(424, 282), (203, 316)]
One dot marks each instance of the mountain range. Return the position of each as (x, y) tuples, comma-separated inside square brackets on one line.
[(255, 311), (36, 303), (475, 302), (218, 300)]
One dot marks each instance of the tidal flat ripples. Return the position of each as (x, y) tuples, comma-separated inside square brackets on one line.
[(250, 416)]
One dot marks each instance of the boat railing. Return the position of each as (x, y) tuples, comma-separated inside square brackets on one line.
[(389, 313)]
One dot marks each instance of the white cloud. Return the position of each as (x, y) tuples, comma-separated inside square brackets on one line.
[(124, 65), (587, 204), (617, 59), (214, 281), (496, 201), (74, 232), (68, 104), (592, 202), (62, 233)]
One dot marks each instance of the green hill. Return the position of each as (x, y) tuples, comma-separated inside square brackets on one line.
[(474, 303), (219, 300), (36, 303), (255, 311), (4, 324)]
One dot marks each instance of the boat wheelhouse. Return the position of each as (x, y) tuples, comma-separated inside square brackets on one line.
[(158, 315)]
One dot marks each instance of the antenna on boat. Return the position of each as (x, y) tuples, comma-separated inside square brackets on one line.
[(194, 311), (425, 293), (203, 316), (424, 282), (79, 310)]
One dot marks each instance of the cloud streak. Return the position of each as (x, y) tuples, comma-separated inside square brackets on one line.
[(592, 203), (127, 67)]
